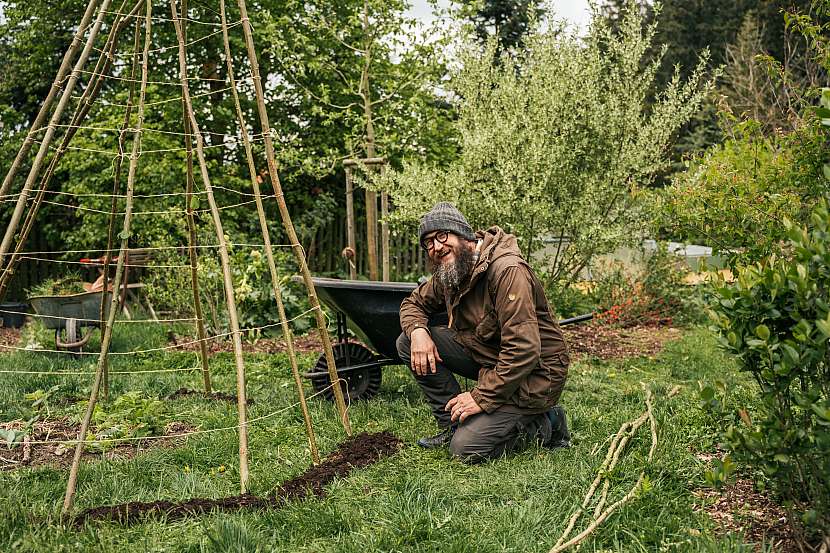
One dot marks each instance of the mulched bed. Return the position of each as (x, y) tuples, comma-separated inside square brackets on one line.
[(302, 344), (9, 336), (741, 509), (359, 451), (60, 454), (609, 342), (220, 396)]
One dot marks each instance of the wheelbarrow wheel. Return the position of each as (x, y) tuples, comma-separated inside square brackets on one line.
[(359, 384), (70, 336)]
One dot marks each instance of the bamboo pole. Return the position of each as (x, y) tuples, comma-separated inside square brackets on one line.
[(242, 402), (286, 220), (50, 132), (82, 110), (350, 240), (125, 237), (266, 237), (193, 255), (50, 97), (116, 187)]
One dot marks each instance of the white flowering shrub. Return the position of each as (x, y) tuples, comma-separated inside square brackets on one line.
[(558, 140)]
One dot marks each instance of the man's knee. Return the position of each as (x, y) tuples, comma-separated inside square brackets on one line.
[(403, 345), (469, 447)]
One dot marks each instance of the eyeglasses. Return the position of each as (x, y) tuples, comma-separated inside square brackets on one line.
[(428, 243)]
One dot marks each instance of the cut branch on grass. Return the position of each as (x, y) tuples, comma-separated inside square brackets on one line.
[(618, 443)]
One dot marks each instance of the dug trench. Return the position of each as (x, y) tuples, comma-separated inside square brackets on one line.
[(359, 451)]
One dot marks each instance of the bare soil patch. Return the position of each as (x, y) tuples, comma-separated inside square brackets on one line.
[(219, 396), (61, 434), (9, 336), (302, 344), (609, 342), (739, 508), (359, 451)]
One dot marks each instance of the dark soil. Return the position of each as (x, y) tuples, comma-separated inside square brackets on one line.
[(220, 396), (302, 344), (9, 336), (609, 342), (739, 508), (61, 434), (359, 451)]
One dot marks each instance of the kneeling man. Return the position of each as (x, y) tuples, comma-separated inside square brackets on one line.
[(501, 332)]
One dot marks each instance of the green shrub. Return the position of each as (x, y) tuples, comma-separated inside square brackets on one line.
[(776, 319), (653, 294)]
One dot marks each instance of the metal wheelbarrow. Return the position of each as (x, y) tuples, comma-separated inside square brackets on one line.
[(69, 315)]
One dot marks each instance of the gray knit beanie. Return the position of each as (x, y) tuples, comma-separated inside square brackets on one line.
[(445, 216)]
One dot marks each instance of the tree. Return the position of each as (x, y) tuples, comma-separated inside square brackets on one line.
[(507, 20), (557, 141)]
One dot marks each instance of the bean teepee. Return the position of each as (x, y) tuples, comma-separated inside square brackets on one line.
[(29, 199)]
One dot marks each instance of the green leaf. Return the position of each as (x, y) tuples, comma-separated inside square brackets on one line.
[(762, 332), (124, 235), (824, 326), (826, 170), (194, 201)]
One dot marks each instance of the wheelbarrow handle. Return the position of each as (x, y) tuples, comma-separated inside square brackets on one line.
[(577, 319)]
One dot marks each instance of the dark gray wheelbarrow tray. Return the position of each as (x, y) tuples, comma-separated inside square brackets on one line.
[(69, 315), (371, 310)]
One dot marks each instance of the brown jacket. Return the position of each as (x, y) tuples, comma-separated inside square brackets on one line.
[(503, 320)]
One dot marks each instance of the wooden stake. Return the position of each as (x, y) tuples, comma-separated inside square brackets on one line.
[(266, 237), (384, 234), (22, 199), (350, 240), (193, 255), (47, 103), (286, 220), (125, 238), (242, 402)]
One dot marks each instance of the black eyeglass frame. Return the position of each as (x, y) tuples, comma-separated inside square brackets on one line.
[(429, 243)]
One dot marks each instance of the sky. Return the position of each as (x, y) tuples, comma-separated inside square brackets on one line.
[(576, 12)]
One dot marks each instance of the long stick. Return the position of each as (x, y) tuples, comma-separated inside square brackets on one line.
[(266, 237), (242, 402), (286, 220), (50, 132), (125, 238), (47, 103), (191, 239), (116, 188)]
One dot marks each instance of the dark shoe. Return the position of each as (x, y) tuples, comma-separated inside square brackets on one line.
[(439, 440), (560, 437)]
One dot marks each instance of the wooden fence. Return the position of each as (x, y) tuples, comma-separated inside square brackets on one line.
[(406, 258)]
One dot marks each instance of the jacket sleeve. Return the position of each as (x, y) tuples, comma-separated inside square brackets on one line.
[(520, 350), (424, 301)]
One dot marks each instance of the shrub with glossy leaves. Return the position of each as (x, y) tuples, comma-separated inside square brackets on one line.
[(776, 319)]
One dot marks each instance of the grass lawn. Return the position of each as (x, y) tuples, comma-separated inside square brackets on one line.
[(417, 500)]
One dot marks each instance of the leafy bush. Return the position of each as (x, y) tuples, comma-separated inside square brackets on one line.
[(776, 319), (654, 294), (736, 196), (170, 289)]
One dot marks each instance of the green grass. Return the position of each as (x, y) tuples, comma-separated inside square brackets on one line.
[(417, 500)]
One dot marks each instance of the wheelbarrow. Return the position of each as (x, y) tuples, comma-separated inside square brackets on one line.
[(371, 310), (69, 315)]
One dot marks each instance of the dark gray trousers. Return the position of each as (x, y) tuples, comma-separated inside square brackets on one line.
[(485, 435)]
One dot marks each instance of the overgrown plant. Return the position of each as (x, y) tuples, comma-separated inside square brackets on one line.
[(558, 140), (776, 319)]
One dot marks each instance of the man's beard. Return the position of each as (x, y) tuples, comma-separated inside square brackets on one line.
[(451, 276)]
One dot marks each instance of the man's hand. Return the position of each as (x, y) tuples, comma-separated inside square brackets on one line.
[(462, 406), (423, 353)]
